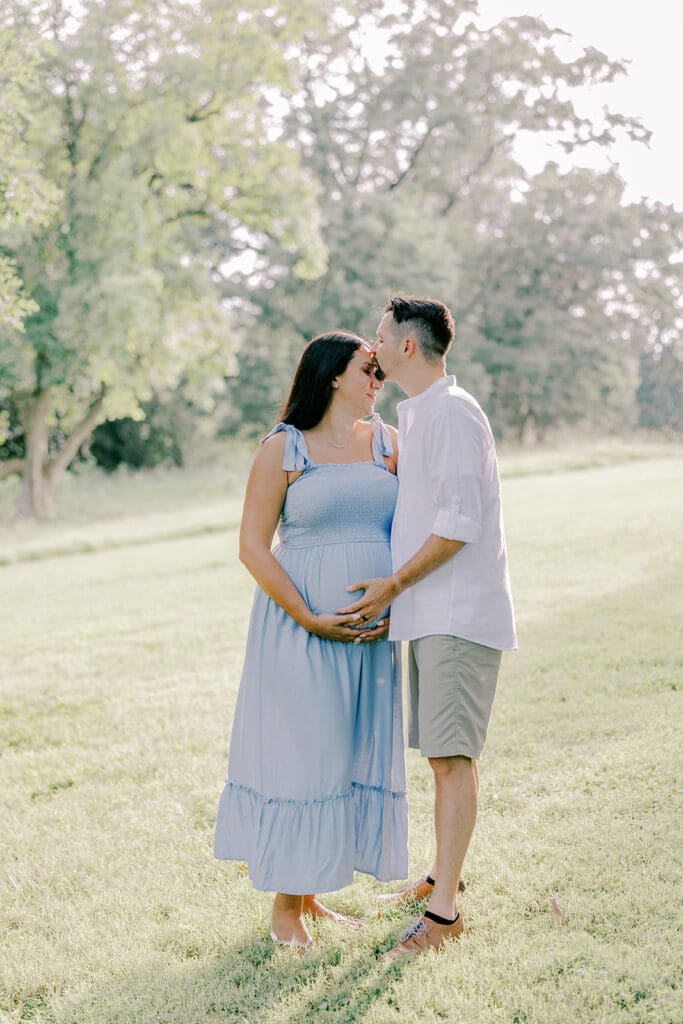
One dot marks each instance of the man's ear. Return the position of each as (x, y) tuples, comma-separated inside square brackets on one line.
[(409, 347)]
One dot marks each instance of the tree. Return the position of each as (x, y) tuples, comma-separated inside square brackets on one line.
[(572, 297), (154, 441), (26, 197), (555, 285), (154, 128), (660, 393)]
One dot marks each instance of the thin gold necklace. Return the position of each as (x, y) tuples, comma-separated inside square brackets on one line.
[(333, 444)]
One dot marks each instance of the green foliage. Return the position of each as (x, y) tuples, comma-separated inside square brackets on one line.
[(154, 129), (155, 440), (26, 196), (660, 394), (173, 176), (558, 322), (258, 390), (14, 308), (556, 286)]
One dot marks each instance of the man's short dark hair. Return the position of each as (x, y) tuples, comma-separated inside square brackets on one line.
[(431, 322)]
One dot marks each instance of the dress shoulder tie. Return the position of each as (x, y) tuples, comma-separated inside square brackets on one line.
[(382, 441), (296, 457)]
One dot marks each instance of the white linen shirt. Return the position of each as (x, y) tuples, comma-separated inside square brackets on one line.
[(449, 485)]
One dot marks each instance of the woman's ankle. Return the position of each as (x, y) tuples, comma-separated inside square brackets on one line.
[(286, 903)]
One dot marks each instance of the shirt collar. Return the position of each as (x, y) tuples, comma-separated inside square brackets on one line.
[(442, 384)]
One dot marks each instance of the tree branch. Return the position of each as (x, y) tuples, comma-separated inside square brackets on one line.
[(185, 213), (202, 112), (100, 160), (78, 435), (416, 153), (486, 158)]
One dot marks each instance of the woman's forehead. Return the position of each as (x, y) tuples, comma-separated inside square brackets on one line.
[(362, 354)]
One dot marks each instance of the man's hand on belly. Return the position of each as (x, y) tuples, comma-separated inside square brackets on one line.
[(378, 595)]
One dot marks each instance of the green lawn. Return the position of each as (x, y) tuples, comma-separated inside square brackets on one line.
[(122, 640)]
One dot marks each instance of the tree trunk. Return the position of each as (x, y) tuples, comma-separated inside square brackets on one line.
[(527, 433), (40, 472), (37, 493), (37, 497)]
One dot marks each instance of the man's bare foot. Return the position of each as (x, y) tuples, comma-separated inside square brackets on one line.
[(315, 908), (287, 925)]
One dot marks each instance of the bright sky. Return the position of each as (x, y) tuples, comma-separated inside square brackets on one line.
[(650, 35)]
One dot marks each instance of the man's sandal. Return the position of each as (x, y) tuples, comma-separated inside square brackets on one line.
[(424, 935), (419, 890)]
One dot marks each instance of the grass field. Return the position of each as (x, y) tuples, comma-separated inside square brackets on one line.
[(122, 638)]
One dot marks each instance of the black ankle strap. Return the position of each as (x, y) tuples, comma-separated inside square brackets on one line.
[(440, 920)]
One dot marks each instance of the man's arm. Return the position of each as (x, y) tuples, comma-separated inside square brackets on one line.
[(455, 444), (380, 592)]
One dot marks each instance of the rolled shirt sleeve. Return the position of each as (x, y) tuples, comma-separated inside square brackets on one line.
[(450, 486), (456, 464)]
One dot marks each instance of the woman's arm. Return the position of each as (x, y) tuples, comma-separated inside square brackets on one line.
[(263, 501)]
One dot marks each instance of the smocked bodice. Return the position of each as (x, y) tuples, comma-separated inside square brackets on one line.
[(337, 503)]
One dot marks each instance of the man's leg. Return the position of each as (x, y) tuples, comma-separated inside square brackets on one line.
[(434, 869), (458, 686), (423, 888), (455, 815)]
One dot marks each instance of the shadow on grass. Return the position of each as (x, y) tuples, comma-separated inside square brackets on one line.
[(91, 547), (351, 985), (338, 980)]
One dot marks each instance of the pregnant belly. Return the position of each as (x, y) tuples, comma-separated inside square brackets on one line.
[(322, 574)]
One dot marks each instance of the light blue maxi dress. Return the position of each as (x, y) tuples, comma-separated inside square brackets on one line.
[(316, 782)]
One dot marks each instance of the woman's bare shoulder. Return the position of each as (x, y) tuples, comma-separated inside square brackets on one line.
[(273, 442), (271, 451)]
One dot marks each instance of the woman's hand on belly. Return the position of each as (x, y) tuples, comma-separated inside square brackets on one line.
[(338, 627), (378, 631)]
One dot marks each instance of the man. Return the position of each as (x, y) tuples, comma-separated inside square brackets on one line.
[(450, 591)]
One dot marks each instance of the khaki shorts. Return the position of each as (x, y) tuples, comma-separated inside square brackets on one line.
[(452, 686)]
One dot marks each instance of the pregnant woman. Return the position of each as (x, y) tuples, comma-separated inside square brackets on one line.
[(316, 775)]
